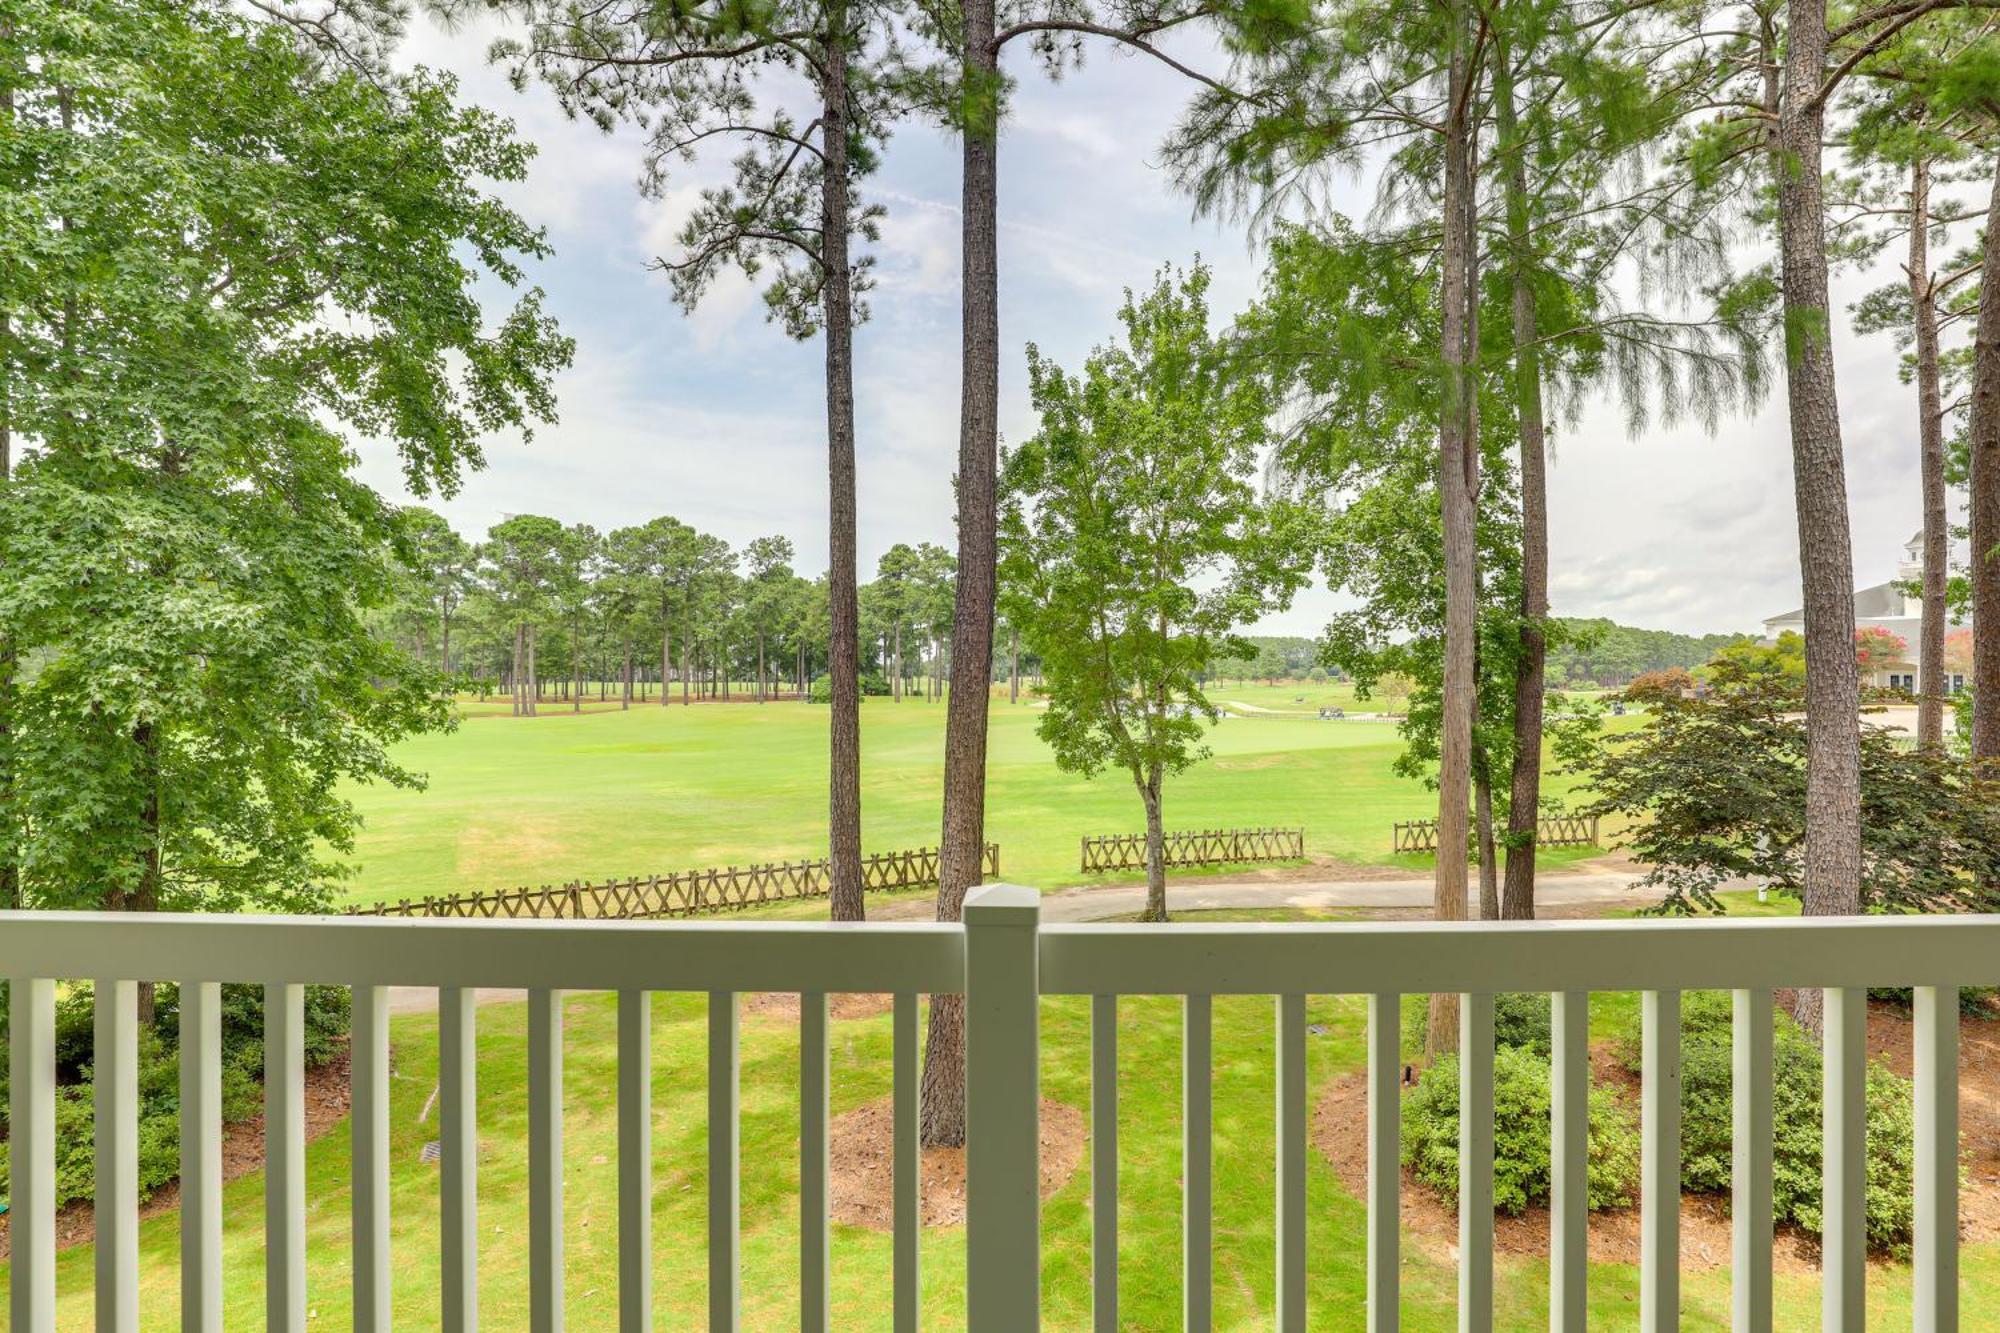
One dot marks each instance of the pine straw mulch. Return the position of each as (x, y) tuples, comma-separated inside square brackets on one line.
[(1339, 1132), (862, 1153), (328, 1094)]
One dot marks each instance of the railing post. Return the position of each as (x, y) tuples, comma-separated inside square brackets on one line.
[(1002, 1109)]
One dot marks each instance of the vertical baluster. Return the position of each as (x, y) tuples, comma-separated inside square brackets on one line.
[(1292, 1112), (116, 1210), (906, 1178), (1937, 1159), (813, 1114), (1569, 1202), (725, 1279), (284, 1157), (201, 1157), (1750, 1160), (1385, 1178), (1197, 1166), (1003, 1237), (1475, 1163), (1844, 1244), (1660, 1163), (368, 1076), (458, 1183), (635, 1161), (545, 1161), (1104, 1163), (31, 1074)]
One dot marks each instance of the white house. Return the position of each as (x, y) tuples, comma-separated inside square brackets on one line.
[(1895, 606)]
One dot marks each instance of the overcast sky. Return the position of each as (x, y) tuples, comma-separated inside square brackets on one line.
[(718, 417)]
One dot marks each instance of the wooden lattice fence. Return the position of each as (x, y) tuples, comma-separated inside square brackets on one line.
[(1421, 835), (1196, 847), (684, 893)]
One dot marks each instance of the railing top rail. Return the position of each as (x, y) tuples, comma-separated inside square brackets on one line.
[(1482, 956), (589, 954)]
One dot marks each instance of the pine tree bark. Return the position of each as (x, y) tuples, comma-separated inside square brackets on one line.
[(1930, 437), (844, 649), (1984, 438), (964, 832), (1456, 451), (1826, 562), (1524, 799)]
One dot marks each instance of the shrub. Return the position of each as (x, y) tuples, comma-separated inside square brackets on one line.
[(327, 1012), (1520, 1135), (821, 691), (1519, 1019), (1707, 1125)]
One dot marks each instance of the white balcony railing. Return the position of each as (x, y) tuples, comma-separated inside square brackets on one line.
[(1003, 960)]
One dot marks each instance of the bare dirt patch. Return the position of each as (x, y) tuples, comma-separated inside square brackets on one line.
[(783, 1007), (862, 1156), (327, 1099)]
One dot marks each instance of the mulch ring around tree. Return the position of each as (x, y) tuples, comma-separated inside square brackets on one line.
[(328, 1094), (861, 1156), (783, 1006), (1341, 1117)]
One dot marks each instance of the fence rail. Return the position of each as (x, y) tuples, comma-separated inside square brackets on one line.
[(683, 893), (1002, 959), (1196, 847), (1421, 835)]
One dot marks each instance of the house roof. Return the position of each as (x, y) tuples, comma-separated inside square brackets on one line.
[(1884, 601)]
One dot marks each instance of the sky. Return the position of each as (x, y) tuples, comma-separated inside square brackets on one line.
[(717, 417)]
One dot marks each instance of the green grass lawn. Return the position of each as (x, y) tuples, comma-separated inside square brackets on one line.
[(609, 794)]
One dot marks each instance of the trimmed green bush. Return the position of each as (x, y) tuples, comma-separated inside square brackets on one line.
[(1707, 1126), (1520, 1135), (821, 691), (327, 1011)]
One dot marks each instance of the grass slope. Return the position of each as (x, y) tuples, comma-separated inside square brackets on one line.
[(609, 794)]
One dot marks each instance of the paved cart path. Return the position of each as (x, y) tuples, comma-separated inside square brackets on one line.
[(1579, 894)]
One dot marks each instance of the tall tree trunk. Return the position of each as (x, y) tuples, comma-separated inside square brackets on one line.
[(760, 666), (1930, 437), (667, 658), (896, 655), (1156, 845), (534, 676), (1013, 665), (576, 654), (1456, 449), (964, 830), (145, 896), (1984, 435), (1826, 561), (1524, 800), (517, 670), (626, 702), (687, 670), (844, 610), (1489, 870)]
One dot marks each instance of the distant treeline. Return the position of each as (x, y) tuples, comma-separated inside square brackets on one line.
[(1601, 652), (1272, 658)]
